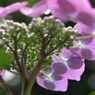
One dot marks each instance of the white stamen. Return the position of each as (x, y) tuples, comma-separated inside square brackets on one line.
[(47, 12)]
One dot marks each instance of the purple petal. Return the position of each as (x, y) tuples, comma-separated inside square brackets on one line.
[(75, 63), (77, 10), (48, 84), (72, 68), (78, 28), (15, 6), (56, 76), (88, 53), (85, 12), (65, 53), (61, 9), (87, 41), (84, 29), (60, 68), (92, 42), (1, 12), (60, 85), (77, 51), (73, 73), (86, 17), (36, 10)]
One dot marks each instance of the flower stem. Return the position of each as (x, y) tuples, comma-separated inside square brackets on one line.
[(4, 21), (32, 78), (85, 37)]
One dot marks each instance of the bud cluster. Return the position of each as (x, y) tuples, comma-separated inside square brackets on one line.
[(28, 40)]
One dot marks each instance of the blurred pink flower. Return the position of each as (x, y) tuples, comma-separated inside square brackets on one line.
[(11, 8), (86, 47), (76, 10)]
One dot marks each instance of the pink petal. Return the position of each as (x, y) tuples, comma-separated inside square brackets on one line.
[(65, 53), (73, 69), (36, 10), (82, 28), (61, 8), (60, 68), (76, 10), (12, 8), (88, 53), (75, 63), (86, 17), (74, 74), (60, 85)]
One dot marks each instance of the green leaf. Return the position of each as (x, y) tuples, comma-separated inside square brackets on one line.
[(92, 93), (5, 60)]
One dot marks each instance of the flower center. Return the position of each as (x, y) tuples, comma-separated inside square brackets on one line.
[(62, 58), (48, 76), (79, 45)]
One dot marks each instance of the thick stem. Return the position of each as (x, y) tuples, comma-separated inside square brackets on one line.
[(6, 88), (32, 78), (24, 82), (20, 66)]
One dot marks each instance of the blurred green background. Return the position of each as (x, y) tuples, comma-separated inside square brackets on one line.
[(84, 87)]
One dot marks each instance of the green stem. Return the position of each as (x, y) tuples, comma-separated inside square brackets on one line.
[(82, 38), (23, 86), (31, 80), (4, 21), (85, 37)]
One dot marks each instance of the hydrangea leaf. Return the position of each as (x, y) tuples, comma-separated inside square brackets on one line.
[(92, 93), (5, 60)]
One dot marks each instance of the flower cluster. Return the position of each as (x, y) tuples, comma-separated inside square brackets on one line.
[(69, 63), (77, 11)]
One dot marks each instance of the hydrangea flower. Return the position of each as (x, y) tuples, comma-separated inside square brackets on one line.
[(77, 10), (68, 65), (84, 29), (11, 8), (85, 48), (2, 73), (52, 81)]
